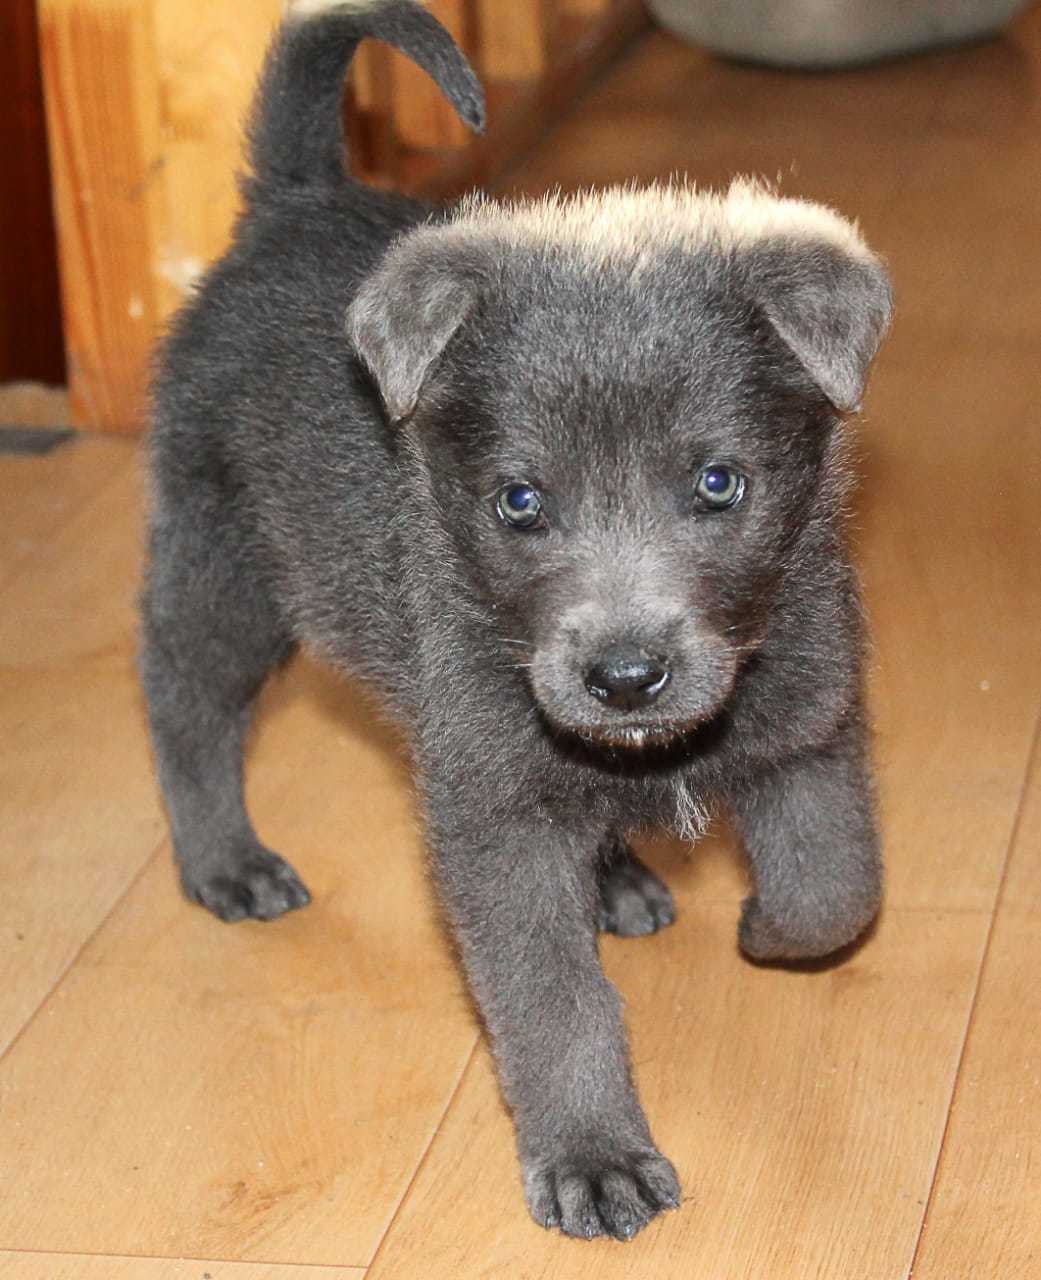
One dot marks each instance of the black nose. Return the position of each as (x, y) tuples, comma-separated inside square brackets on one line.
[(627, 679)]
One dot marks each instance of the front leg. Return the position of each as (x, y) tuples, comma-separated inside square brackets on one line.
[(810, 835), (523, 900)]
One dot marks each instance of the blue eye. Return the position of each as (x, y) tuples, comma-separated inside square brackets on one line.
[(519, 505), (719, 487)]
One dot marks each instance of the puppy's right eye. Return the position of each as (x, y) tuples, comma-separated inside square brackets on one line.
[(519, 505), (718, 487)]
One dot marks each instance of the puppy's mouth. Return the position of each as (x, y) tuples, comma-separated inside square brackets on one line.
[(633, 737)]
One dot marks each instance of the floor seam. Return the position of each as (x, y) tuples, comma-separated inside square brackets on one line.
[(75, 959), (1033, 758), (421, 1162), (183, 1257)]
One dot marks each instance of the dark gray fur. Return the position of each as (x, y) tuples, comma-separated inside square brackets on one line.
[(340, 494)]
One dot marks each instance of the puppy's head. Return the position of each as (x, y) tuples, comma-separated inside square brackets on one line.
[(626, 407)]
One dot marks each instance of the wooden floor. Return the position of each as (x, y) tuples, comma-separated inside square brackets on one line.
[(180, 1098)]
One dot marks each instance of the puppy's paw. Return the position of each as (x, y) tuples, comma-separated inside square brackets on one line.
[(633, 901), (803, 932), (254, 884), (757, 937), (613, 1195)]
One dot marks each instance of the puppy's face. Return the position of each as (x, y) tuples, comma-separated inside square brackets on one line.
[(622, 456), (622, 479)]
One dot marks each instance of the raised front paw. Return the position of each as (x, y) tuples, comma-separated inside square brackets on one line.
[(805, 931), (251, 884), (609, 1194), (633, 901)]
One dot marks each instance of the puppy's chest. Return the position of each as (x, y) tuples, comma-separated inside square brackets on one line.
[(676, 802)]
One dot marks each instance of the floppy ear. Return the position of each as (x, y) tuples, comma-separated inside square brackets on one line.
[(830, 306), (404, 315)]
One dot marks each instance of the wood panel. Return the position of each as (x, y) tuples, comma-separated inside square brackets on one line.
[(423, 118), (145, 100), (584, 8), (512, 43), (208, 57), (31, 343), (104, 125), (145, 105), (369, 114), (521, 112)]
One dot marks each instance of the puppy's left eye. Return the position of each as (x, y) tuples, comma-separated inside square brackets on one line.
[(519, 505), (719, 487)]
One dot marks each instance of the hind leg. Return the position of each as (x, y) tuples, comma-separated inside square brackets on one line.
[(633, 900), (211, 637)]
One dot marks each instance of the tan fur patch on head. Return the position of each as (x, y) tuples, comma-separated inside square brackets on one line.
[(627, 222), (315, 8)]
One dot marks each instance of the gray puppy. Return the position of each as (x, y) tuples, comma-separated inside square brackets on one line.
[(567, 490)]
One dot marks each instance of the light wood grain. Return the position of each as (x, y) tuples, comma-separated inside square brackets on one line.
[(104, 127), (208, 56), (954, 613), (76, 597), (985, 1217), (145, 104), (64, 1266)]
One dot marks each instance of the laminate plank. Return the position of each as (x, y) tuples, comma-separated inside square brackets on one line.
[(70, 1266), (254, 1092), (33, 404), (803, 1111), (984, 1219), (79, 812), (38, 495)]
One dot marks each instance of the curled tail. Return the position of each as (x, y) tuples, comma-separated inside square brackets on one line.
[(296, 130)]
